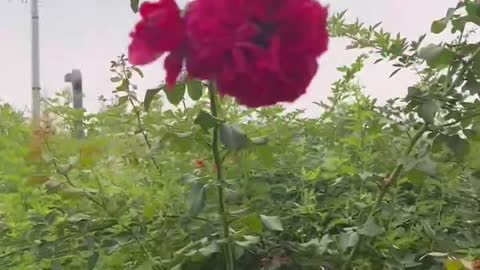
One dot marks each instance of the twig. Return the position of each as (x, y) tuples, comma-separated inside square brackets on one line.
[(144, 134), (459, 77), (466, 117), (139, 121), (144, 249)]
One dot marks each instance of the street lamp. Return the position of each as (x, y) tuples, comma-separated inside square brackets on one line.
[(75, 77)]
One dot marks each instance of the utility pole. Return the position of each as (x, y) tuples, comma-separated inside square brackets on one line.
[(35, 64), (75, 77)]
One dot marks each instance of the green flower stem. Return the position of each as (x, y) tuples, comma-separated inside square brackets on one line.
[(140, 125), (228, 251)]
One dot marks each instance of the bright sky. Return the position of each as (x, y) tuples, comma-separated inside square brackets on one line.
[(88, 34)]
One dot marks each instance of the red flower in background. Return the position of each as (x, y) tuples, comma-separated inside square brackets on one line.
[(199, 164), (259, 51), (161, 30)]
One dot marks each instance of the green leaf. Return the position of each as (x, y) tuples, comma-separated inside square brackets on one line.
[(149, 97), (66, 168), (428, 110), (427, 228), (259, 140), (324, 242), (347, 240), (122, 100), (474, 133), (177, 267), (394, 72), (371, 228), (134, 5), (454, 265), (149, 211), (184, 135), (427, 166), (272, 222), (472, 85), (460, 147), (414, 92), (139, 72), (48, 157), (249, 241), (197, 199), (436, 56), (320, 246), (147, 265), (438, 142), (209, 250), (195, 89), (206, 120), (458, 24), (79, 217), (253, 222), (92, 260), (175, 95), (438, 26), (115, 79), (265, 154), (473, 9), (232, 137), (123, 87)]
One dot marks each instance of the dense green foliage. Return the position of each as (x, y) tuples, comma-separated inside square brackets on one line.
[(363, 186)]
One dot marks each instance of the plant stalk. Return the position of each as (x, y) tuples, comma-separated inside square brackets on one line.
[(140, 122), (228, 250), (144, 134)]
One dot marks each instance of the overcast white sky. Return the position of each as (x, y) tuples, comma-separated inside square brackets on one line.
[(88, 34)]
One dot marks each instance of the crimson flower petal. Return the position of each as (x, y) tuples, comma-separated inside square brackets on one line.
[(260, 52), (160, 30), (173, 66)]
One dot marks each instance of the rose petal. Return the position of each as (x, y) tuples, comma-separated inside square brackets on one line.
[(173, 66)]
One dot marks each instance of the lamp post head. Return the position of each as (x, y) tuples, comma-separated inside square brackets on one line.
[(75, 77)]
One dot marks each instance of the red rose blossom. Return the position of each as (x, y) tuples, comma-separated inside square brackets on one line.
[(259, 51), (161, 30)]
